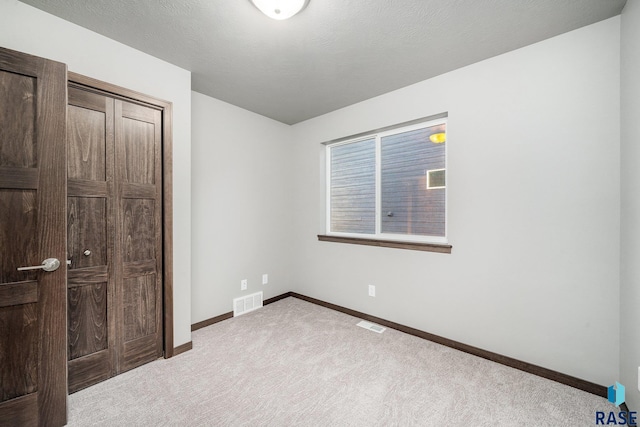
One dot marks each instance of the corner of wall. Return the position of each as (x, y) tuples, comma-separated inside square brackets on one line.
[(630, 203)]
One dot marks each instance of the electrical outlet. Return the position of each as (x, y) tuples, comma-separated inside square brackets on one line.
[(265, 279), (243, 285), (638, 378), (372, 290)]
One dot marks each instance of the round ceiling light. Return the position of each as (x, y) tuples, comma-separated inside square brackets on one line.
[(280, 9)]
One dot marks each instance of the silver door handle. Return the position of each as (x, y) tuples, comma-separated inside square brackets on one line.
[(49, 264)]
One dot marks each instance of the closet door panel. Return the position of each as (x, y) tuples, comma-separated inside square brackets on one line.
[(86, 149), (139, 145), (140, 307), (87, 317), (87, 231), (138, 171), (139, 230), (90, 229)]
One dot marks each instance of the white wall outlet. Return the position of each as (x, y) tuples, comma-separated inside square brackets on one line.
[(372, 290), (243, 285), (265, 279)]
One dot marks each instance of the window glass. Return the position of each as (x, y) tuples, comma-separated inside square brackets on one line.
[(408, 206), (390, 185), (353, 187)]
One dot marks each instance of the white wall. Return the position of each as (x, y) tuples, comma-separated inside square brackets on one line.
[(630, 184), (30, 30), (241, 205), (533, 188)]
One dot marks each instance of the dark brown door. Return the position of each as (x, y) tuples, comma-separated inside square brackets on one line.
[(90, 244), (114, 230), (138, 137), (33, 336)]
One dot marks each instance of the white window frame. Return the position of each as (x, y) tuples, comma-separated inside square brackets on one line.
[(378, 235)]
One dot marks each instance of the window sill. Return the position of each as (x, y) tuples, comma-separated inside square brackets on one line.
[(428, 247)]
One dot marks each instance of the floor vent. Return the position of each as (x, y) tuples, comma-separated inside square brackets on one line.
[(246, 304), (371, 326)]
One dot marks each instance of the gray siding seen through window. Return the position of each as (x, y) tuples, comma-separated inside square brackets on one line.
[(390, 185), (407, 206), (353, 187)]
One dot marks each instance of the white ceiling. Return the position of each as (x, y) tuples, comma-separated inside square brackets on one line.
[(334, 53)]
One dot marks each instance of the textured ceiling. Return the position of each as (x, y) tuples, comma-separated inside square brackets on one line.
[(334, 53)]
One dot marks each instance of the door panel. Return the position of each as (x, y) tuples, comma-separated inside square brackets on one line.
[(18, 216), (32, 227), (87, 317), (139, 144), (18, 371), (140, 307), (86, 142), (90, 234), (139, 230), (17, 115), (138, 171), (87, 230)]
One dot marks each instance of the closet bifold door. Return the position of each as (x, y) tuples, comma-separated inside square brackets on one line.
[(91, 315), (138, 140), (114, 231)]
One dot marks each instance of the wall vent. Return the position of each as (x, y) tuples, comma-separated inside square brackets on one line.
[(371, 326), (246, 304)]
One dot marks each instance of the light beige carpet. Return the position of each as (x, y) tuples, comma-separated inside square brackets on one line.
[(293, 363)]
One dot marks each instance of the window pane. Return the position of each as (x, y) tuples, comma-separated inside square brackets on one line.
[(353, 187), (436, 178), (407, 205)]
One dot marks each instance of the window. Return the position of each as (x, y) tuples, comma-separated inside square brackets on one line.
[(435, 178), (389, 185)]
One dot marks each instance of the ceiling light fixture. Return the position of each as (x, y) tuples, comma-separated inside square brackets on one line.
[(280, 9)]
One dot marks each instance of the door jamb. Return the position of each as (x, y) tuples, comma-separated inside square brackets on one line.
[(166, 107)]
